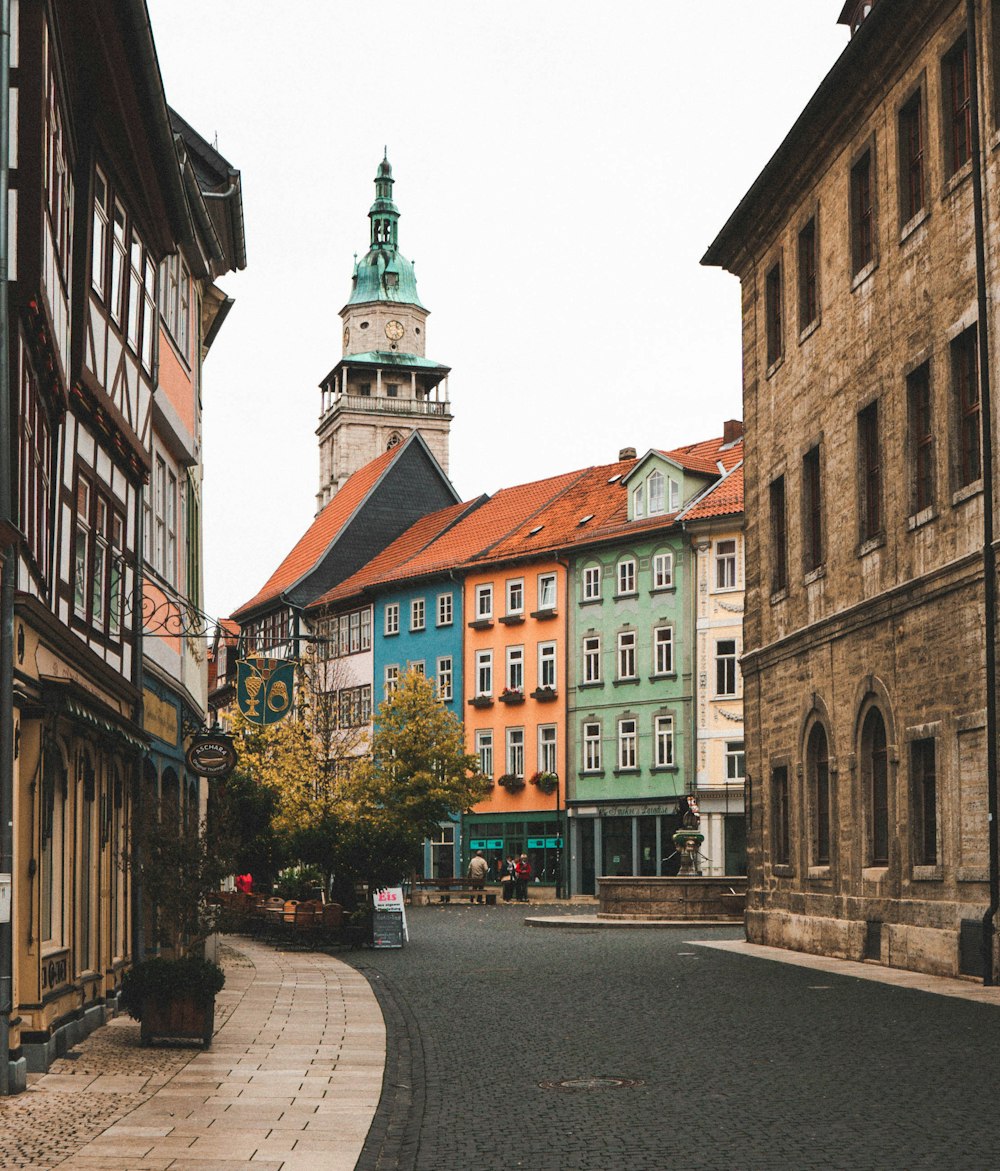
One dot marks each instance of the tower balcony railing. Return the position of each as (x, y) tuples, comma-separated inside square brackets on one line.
[(390, 406)]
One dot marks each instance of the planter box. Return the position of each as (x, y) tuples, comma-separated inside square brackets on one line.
[(184, 1019), (721, 898), (545, 694), (511, 697)]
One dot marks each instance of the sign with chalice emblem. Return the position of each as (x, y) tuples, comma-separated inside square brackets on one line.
[(265, 688)]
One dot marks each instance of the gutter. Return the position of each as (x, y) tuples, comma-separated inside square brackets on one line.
[(989, 553)]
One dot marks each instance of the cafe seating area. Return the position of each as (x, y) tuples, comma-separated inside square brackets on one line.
[(307, 923)]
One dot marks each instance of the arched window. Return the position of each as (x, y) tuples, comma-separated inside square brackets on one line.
[(818, 766), (875, 778)]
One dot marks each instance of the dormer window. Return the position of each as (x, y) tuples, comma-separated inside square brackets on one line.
[(854, 13)]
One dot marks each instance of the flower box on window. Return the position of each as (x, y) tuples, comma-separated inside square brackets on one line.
[(544, 694), (543, 615), (547, 782), (511, 695), (481, 701), (511, 782)]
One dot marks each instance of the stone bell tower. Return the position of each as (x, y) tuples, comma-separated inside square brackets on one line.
[(384, 386)]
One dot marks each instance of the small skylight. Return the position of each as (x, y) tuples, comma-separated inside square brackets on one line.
[(536, 529), (616, 476), (583, 519)]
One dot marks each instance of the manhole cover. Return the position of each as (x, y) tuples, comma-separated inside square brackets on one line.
[(592, 1083)]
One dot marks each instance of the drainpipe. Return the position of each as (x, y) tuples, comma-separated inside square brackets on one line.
[(563, 889), (7, 581), (989, 554)]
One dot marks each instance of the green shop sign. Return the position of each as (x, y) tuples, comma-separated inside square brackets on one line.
[(545, 843)]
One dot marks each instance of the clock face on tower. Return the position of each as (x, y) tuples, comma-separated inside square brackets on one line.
[(393, 330)]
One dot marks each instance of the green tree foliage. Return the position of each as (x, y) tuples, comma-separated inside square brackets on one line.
[(418, 771)]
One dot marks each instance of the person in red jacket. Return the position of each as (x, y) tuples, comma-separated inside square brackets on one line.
[(522, 878)]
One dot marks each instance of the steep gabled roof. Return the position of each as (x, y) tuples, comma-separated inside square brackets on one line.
[(706, 456), (372, 508), (416, 538)]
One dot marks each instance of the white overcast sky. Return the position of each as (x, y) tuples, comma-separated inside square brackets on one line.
[(560, 169)]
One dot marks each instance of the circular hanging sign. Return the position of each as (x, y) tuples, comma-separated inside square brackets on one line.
[(211, 755)]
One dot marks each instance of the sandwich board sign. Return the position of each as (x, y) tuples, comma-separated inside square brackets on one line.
[(388, 917)]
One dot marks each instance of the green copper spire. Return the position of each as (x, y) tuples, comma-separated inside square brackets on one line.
[(384, 274), (384, 214)]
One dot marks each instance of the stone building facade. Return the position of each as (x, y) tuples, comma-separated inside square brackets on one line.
[(864, 644)]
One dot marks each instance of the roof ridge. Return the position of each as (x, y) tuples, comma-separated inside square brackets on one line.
[(484, 553)]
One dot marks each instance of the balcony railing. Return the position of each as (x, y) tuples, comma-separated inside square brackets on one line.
[(391, 406)]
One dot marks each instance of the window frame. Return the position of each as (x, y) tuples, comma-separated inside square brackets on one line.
[(812, 509), (966, 408), (547, 582), (726, 664), (920, 434), (627, 576), (445, 609), (820, 794), (390, 618), (734, 758), (418, 614), (725, 562), (924, 818), (484, 601), (484, 672), (390, 679), (592, 658), (911, 134), (774, 335), (548, 748), (514, 751), (483, 748), (808, 271), (547, 665), (590, 739), (445, 678), (628, 744), (626, 656), (663, 639), (870, 523), (514, 668), (514, 586), (592, 577), (863, 211), (781, 836), (779, 535), (661, 580), (663, 742), (956, 98)]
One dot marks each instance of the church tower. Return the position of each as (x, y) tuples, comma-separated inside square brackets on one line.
[(384, 386)]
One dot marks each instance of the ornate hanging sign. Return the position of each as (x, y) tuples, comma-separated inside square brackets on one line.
[(211, 754), (265, 688)]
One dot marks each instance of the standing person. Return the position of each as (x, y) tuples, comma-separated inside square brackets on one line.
[(523, 871), (509, 879), (478, 867)]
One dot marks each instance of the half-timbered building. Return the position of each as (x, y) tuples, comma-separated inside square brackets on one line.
[(98, 202)]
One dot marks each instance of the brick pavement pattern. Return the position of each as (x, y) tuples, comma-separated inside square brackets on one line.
[(745, 1063), (290, 1082)]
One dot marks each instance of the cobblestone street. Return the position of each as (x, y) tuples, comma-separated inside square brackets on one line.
[(743, 1063)]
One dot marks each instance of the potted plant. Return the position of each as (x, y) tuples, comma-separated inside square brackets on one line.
[(177, 864), (511, 782), (173, 998), (512, 695), (547, 782)]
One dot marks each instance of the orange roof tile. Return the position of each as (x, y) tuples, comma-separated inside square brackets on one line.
[(311, 546), (475, 535), (724, 499), (707, 455), (416, 538)]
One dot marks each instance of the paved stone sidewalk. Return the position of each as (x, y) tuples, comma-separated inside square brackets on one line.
[(290, 1083)]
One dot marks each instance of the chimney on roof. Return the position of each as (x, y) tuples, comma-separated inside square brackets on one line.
[(627, 453), (732, 429)]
